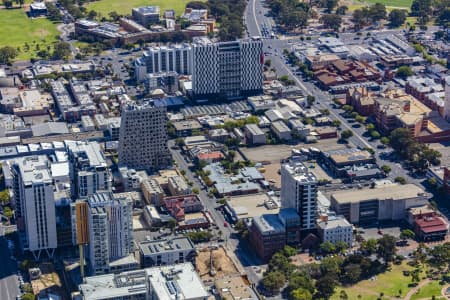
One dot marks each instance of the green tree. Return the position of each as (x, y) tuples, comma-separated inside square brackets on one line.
[(432, 182), (114, 16), (331, 21), (4, 197), (92, 15), (341, 246), (407, 234), (422, 9), (7, 212), (360, 17), (273, 281), (300, 294), (375, 134), (370, 127), (300, 280), (328, 247), (7, 53), (369, 246), (310, 99), (267, 63), (336, 123), (329, 5), (325, 112), (343, 295), (288, 251), (53, 12), (386, 169), (360, 119), (240, 226), (342, 10), (346, 134), (198, 5), (28, 296), (281, 263), (199, 236), (325, 286), (61, 50), (397, 17), (400, 179), (377, 12), (386, 248), (352, 273), (384, 140), (347, 108), (331, 265), (404, 72)]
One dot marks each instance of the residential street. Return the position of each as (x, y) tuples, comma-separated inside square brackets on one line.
[(245, 260)]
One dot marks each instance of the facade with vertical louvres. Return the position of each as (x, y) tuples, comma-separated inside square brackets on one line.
[(227, 70)]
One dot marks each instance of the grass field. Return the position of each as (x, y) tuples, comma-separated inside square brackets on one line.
[(390, 284), (390, 4), (16, 29), (394, 3), (124, 7), (431, 289)]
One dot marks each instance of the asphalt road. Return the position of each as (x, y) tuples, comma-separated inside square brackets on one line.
[(246, 260), (8, 268), (256, 18)]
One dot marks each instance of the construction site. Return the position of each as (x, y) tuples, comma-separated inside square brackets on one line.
[(45, 280), (213, 263)]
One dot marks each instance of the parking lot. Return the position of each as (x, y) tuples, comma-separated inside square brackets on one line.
[(268, 153), (275, 153), (375, 233)]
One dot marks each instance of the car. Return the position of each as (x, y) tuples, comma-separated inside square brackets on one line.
[(225, 224)]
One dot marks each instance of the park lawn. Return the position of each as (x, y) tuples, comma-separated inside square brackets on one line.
[(433, 288), (393, 3), (124, 7), (16, 29), (353, 7), (389, 283), (390, 4)]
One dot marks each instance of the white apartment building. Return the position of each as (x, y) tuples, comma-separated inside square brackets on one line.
[(176, 58), (110, 230), (179, 281), (34, 203), (228, 70), (299, 191), (334, 229), (152, 191), (143, 137), (178, 186), (89, 169), (166, 252)]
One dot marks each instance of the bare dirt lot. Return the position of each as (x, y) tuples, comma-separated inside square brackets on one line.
[(139, 223), (275, 153), (223, 265), (49, 280), (271, 174)]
